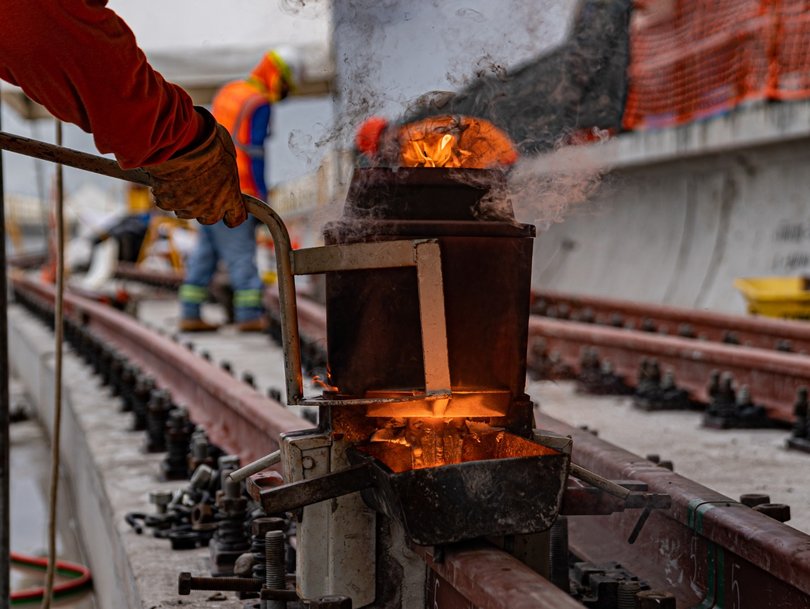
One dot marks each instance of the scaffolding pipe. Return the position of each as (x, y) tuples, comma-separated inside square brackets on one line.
[(5, 411)]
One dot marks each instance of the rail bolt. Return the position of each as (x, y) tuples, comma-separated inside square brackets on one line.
[(777, 511)]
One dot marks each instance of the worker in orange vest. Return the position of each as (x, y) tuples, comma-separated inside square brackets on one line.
[(80, 60), (243, 107)]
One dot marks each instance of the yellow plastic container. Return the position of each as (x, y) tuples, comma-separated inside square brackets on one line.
[(782, 297), (269, 277)]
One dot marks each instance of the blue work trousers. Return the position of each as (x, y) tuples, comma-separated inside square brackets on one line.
[(236, 247)]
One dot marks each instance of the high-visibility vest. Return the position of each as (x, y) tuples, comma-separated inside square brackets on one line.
[(234, 107)]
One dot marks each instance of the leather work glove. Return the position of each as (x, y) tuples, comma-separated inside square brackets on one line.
[(202, 183)]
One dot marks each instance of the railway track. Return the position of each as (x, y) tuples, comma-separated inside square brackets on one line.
[(760, 332), (773, 378), (717, 551), (556, 346), (769, 357), (721, 553)]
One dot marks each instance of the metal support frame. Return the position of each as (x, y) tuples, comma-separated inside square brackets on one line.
[(422, 254)]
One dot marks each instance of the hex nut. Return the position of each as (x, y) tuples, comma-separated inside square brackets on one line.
[(754, 499), (184, 583)]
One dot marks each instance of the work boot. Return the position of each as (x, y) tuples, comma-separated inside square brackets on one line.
[(196, 325), (258, 324)]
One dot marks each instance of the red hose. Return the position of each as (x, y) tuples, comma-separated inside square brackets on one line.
[(79, 578)]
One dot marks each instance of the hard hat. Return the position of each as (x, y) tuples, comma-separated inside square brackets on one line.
[(368, 135), (290, 63)]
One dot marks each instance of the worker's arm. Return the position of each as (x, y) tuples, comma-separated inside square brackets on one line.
[(80, 60)]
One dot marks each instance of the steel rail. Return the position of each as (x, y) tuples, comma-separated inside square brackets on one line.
[(705, 547), (707, 325), (155, 277), (478, 575), (246, 423), (234, 415), (773, 377)]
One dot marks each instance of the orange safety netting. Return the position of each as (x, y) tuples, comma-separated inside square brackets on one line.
[(702, 57)]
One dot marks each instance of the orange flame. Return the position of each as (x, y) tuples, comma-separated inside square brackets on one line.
[(455, 141), (434, 150)]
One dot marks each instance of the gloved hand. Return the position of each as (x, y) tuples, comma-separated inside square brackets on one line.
[(202, 183)]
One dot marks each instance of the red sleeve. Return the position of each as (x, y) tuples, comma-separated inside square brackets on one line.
[(80, 60)]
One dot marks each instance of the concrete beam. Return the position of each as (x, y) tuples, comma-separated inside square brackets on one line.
[(747, 127)]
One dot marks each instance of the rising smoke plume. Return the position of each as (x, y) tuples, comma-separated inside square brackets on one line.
[(384, 49)]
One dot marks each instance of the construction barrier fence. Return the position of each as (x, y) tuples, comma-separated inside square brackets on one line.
[(699, 58)]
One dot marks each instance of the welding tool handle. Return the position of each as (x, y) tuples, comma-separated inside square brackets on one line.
[(314, 490), (71, 158), (281, 239), (610, 487), (254, 468)]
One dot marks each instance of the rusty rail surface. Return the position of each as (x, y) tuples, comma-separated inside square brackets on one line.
[(235, 416), (244, 422), (773, 377), (707, 549), (705, 325)]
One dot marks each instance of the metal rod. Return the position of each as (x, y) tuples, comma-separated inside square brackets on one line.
[(281, 238), (71, 158), (290, 339), (5, 408), (255, 467), (186, 583), (314, 490), (610, 487)]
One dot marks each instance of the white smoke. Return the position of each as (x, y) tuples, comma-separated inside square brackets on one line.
[(546, 188)]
